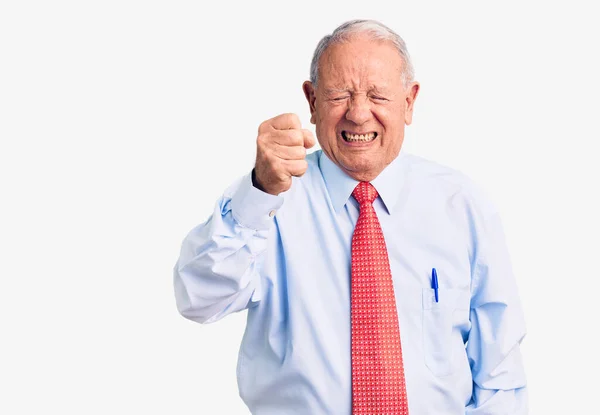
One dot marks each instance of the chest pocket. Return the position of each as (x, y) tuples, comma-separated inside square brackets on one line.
[(442, 339)]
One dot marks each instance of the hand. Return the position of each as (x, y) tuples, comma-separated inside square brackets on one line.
[(281, 153)]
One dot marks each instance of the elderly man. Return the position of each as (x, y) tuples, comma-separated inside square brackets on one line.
[(376, 282)]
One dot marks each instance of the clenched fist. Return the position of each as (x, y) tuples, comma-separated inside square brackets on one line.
[(280, 153)]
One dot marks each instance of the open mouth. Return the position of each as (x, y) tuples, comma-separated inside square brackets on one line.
[(358, 138)]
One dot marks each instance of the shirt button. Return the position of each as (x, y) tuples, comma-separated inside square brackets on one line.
[(272, 213)]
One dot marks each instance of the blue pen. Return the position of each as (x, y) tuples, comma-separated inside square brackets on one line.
[(434, 283)]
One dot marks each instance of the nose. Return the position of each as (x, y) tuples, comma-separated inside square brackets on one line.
[(359, 109)]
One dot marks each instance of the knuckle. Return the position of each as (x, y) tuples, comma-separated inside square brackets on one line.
[(302, 170), (295, 136), (308, 135), (292, 119), (263, 126), (265, 139), (300, 166), (261, 140)]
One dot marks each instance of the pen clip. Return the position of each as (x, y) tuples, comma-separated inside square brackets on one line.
[(434, 284)]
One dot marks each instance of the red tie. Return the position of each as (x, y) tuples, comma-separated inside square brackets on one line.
[(378, 385)]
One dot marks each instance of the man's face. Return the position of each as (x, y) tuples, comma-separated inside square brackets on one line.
[(360, 106)]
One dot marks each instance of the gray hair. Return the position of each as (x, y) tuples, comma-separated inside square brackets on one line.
[(374, 29)]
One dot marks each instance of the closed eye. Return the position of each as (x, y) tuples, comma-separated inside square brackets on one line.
[(376, 98)]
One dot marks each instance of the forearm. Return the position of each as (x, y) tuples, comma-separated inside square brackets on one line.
[(498, 402), (218, 271), (497, 329), (504, 391)]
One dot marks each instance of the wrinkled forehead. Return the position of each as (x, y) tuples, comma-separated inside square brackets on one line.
[(361, 62)]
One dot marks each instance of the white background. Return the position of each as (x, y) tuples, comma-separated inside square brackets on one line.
[(123, 121)]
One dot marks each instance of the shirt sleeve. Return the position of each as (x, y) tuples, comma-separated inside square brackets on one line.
[(218, 270), (497, 329)]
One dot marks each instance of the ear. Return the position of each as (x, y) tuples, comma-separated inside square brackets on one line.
[(410, 102), (309, 93)]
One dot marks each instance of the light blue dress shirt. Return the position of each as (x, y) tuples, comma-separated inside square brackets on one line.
[(287, 260)]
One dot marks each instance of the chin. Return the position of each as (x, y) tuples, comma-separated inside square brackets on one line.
[(360, 164), (361, 171)]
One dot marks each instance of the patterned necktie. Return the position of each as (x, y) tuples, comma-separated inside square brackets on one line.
[(378, 385)]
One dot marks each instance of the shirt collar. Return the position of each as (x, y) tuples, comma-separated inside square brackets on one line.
[(388, 183)]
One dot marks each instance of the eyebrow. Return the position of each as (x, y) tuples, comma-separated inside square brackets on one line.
[(333, 91), (383, 90)]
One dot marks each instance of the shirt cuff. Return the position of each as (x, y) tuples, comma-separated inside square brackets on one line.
[(253, 208)]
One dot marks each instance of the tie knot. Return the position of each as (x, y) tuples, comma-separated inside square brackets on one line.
[(364, 192)]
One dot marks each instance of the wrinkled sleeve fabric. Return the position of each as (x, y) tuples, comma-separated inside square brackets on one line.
[(497, 329), (218, 270)]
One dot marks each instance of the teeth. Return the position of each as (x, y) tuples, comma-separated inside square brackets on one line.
[(359, 137)]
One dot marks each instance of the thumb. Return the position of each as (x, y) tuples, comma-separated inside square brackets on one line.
[(309, 138)]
